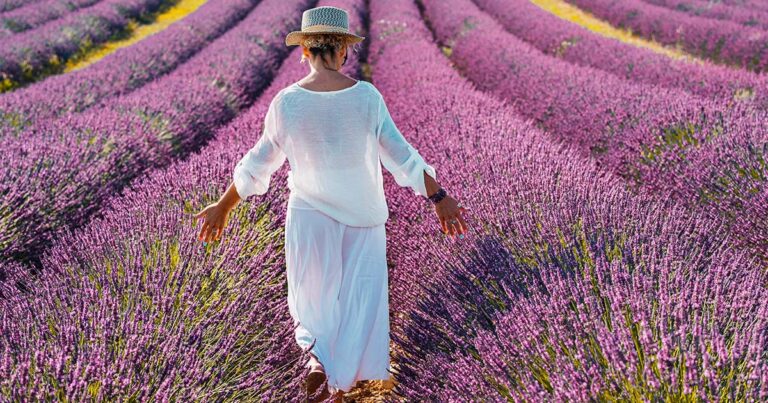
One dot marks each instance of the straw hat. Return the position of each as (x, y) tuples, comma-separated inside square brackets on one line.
[(323, 20)]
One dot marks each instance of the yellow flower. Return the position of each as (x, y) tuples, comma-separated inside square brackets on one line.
[(580, 17), (137, 33)]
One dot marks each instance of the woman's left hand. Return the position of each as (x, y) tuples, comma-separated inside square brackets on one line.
[(215, 217), (449, 211)]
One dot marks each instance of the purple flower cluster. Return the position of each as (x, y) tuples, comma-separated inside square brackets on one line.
[(147, 314), (9, 5), (663, 139), (36, 14), (142, 308), (573, 337), (559, 38), (38, 52), (721, 41), (122, 71), (59, 172), (568, 287), (746, 4), (750, 17)]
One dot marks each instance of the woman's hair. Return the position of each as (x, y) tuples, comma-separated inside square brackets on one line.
[(325, 44)]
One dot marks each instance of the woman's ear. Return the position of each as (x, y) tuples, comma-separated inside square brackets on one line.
[(343, 55)]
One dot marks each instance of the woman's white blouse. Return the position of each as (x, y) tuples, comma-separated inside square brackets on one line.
[(333, 141)]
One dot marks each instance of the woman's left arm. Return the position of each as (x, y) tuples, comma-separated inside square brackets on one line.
[(251, 176), (253, 172), (216, 215)]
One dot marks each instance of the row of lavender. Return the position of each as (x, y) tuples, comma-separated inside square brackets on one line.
[(36, 14), (120, 72), (8, 5), (748, 4), (568, 287), (749, 16), (560, 38), (731, 172), (36, 53), (705, 153), (59, 172), (209, 322), (722, 41)]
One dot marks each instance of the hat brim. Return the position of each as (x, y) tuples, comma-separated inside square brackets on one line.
[(294, 38)]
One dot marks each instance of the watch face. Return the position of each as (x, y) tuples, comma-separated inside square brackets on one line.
[(438, 195)]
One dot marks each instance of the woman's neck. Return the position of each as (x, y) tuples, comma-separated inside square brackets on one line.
[(326, 80)]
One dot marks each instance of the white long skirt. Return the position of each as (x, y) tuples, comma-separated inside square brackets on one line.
[(338, 294)]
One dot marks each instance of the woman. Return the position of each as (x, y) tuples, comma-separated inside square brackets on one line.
[(334, 130)]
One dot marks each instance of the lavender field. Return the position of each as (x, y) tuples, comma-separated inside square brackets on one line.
[(618, 243)]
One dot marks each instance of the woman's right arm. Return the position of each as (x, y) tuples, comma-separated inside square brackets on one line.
[(447, 210), (409, 169)]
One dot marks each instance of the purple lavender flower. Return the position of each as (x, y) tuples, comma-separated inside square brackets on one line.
[(45, 50), (63, 170), (36, 14), (721, 41), (122, 71)]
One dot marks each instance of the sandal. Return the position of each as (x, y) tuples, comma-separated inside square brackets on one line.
[(316, 380)]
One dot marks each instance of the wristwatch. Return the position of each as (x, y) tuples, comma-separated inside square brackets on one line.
[(437, 196)]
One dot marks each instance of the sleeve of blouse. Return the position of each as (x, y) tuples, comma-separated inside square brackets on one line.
[(398, 156), (254, 170)]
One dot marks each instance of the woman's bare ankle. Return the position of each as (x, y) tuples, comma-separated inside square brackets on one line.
[(315, 364)]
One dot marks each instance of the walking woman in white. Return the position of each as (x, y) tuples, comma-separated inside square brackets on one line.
[(334, 131)]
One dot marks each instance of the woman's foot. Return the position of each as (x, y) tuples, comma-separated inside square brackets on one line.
[(316, 380), (338, 397)]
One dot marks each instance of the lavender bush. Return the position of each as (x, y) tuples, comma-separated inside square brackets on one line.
[(221, 307), (8, 5), (721, 41), (748, 16), (599, 282), (747, 4), (45, 50), (662, 140), (122, 71), (579, 338), (127, 317), (59, 173), (36, 14), (559, 38)]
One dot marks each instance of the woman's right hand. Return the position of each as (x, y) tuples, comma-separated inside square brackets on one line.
[(216, 217), (449, 212)]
